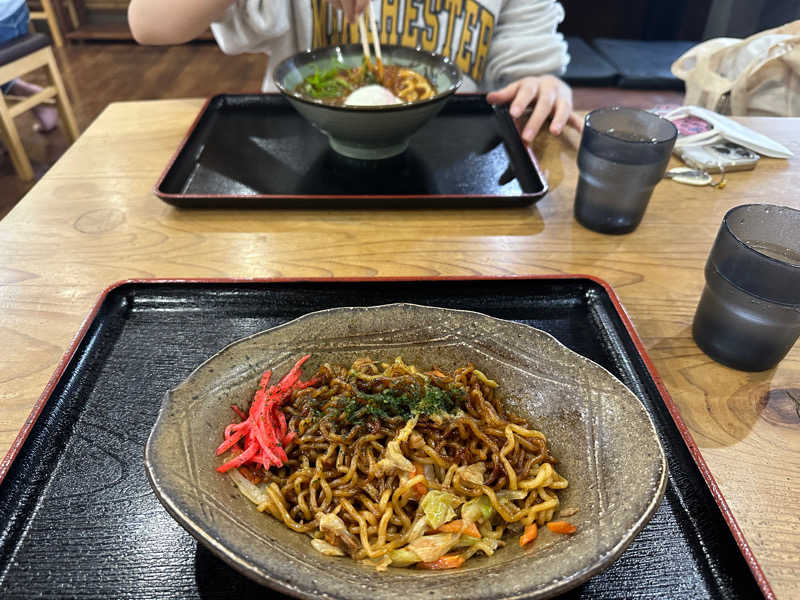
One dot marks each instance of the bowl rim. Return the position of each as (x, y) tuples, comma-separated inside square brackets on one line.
[(445, 61)]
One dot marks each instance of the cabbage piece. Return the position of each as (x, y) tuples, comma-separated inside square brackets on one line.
[(430, 473), (325, 548), (473, 473), (439, 507), (478, 510), (251, 491), (418, 528), (432, 547), (333, 525), (486, 545), (403, 557), (394, 459)]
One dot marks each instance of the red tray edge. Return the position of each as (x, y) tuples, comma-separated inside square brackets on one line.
[(165, 196), (694, 450)]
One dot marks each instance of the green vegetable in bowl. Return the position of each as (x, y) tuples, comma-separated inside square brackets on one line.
[(477, 510), (439, 507), (326, 84), (337, 81), (403, 557)]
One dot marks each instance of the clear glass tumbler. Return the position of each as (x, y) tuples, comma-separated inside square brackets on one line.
[(623, 155), (748, 317)]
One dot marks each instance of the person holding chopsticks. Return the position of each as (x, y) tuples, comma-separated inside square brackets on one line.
[(509, 46)]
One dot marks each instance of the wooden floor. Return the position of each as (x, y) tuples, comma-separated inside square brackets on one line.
[(97, 74)]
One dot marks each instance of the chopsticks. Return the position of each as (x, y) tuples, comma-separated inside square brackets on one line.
[(375, 39), (373, 27), (362, 30)]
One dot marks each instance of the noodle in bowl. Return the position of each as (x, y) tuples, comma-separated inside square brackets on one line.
[(377, 131), (390, 463), (599, 441)]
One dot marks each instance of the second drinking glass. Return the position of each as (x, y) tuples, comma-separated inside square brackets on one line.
[(624, 153)]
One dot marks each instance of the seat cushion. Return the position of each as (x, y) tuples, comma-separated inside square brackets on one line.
[(22, 46), (643, 64), (587, 67)]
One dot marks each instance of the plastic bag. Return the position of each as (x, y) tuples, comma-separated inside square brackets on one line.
[(757, 76)]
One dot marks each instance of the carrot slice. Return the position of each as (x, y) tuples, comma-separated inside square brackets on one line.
[(562, 527), (456, 526), (420, 487), (530, 533), (448, 561)]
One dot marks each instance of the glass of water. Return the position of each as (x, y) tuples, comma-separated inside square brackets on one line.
[(748, 317), (623, 154)]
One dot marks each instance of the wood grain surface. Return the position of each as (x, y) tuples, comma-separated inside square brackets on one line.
[(92, 220)]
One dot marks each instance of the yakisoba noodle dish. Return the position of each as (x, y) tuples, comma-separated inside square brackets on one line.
[(394, 466), (367, 85)]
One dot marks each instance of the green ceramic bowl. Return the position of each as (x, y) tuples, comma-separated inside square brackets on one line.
[(603, 437), (368, 132)]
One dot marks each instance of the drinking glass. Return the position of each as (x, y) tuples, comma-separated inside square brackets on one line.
[(623, 154), (749, 313)]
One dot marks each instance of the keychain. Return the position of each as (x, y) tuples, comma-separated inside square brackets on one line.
[(696, 177)]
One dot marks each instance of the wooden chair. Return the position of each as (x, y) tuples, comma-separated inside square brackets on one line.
[(18, 58), (49, 14)]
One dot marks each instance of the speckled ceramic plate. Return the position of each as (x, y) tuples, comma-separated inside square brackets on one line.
[(601, 433)]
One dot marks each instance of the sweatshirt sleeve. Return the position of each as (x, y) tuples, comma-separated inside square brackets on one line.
[(252, 25), (526, 42)]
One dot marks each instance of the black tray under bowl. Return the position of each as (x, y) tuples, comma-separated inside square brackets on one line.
[(256, 151), (79, 519)]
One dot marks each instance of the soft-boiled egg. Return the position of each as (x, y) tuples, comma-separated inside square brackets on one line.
[(372, 95)]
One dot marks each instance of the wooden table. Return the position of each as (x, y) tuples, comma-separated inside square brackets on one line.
[(92, 220)]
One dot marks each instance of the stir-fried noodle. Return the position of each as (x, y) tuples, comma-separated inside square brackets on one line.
[(401, 467)]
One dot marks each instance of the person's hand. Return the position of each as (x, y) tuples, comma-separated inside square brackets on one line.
[(552, 98), (352, 8)]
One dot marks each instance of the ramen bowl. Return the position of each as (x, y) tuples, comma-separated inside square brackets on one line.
[(367, 132)]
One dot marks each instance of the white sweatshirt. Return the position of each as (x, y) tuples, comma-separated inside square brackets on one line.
[(493, 41)]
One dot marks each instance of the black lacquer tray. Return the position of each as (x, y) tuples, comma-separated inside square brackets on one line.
[(256, 151), (79, 519)]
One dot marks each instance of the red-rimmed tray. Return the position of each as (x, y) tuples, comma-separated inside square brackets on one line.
[(256, 151), (80, 519)]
